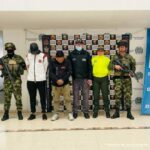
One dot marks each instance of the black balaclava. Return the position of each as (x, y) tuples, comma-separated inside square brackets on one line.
[(10, 53), (34, 49)]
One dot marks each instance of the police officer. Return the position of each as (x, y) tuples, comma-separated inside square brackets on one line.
[(37, 64), (60, 71), (82, 75), (16, 66), (100, 64), (122, 79)]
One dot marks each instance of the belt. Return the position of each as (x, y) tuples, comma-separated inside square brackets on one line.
[(122, 77)]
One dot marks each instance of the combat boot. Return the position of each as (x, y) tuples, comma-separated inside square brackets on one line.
[(129, 115), (116, 114), (5, 116), (20, 116)]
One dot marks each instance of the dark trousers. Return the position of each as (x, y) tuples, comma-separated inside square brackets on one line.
[(101, 84), (80, 84), (32, 89)]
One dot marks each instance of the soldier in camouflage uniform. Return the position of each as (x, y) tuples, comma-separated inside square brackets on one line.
[(16, 66), (122, 78)]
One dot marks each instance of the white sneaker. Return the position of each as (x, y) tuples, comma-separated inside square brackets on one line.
[(70, 117), (55, 117)]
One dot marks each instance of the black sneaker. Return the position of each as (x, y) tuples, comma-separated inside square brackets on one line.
[(75, 115), (86, 116), (44, 117), (20, 116), (31, 117), (95, 115), (107, 115)]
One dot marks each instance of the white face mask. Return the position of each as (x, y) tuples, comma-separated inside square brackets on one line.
[(79, 48)]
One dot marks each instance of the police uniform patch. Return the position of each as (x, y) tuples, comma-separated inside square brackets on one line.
[(63, 67), (83, 59)]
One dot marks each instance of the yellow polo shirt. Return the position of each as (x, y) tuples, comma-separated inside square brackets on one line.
[(100, 66)]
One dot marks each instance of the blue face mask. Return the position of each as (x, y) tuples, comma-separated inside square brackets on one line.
[(79, 48)]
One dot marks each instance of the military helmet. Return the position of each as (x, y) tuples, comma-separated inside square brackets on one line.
[(10, 46), (79, 41), (122, 43)]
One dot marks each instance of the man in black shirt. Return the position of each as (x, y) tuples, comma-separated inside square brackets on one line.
[(81, 74), (60, 71)]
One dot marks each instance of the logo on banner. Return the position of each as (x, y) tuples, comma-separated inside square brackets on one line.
[(138, 38), (140, 63), (148, 89), (138, 100), (139, 75), (139, 50)]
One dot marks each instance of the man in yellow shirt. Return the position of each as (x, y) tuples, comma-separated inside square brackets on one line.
[(100, 64)]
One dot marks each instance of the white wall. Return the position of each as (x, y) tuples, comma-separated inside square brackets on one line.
[(23, 38), (74, 5)]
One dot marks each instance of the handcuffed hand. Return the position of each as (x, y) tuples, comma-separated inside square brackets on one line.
[(89, 82), (60, 82)]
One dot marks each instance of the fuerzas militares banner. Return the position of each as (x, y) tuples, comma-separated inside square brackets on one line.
[(146, 88)]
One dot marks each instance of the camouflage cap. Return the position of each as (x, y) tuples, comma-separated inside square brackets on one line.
[(10, 46), (122, 43), (79, 41)]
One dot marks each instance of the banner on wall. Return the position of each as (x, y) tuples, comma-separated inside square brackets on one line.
[(146, 88), (65, 42)]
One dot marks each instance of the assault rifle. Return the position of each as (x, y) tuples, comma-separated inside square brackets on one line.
[(125, 69), (6, 69)]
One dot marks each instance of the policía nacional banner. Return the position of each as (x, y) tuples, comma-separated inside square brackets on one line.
[(146, 88)]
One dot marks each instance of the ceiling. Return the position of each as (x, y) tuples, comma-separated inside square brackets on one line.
[(74, 19)]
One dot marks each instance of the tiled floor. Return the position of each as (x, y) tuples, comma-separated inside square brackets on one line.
[(81, 134)]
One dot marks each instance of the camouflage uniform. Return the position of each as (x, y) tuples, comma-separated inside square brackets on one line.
[(16, 67), (122, 79)]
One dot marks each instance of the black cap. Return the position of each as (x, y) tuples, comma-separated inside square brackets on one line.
[(34, 47), (122, 43), (59, 54)]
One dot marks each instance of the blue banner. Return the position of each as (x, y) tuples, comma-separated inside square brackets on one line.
[(146, 88)]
